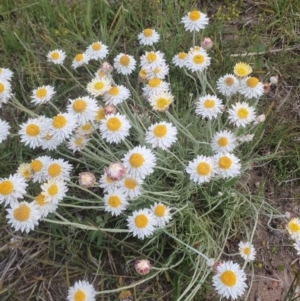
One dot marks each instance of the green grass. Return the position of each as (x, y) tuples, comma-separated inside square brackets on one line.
[(48, 260)]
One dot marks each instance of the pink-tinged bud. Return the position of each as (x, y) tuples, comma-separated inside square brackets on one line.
[(86, 179), (288, 215), (274, 80), (142, 266), (109, 109), (115, 171), (216, 264), (106, 68), (261, 118), (266, 87), (207, 43)]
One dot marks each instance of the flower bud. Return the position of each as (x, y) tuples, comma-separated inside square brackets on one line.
[(106, 68), (266, 87), (109, 109), (115, 171), (86, 179), (143, 75), (261, 118), (274, 80), (207, 43), (142, 266), (210, 262)]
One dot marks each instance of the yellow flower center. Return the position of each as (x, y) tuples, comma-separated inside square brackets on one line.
[(242, 113), (114, 124), (54, 55), (194, 15), (86, 127), (25, 173), (40, 199), (293, 226), (156, 70), (41, 93), (79, 57), (162, 103), (79, 105), (130, 183), (124, 60), (113, 91), (79, 296), (143, 73), (2, 87), (136, 160), (252, 82), (52, 190), (141, 221), (225, 162), (228, 278), (229, 81), (98, 86), (182, 55), (54, 170), (114, 201), (100, 114), (78, 141), (59, 121), (154, 82), (160, 130), (198, 59), (36, 165), (223, 141), (151, 57), (6, 187), (1, 70), (32, 130), (148, 32), (203, 168), (246, 251), (22, 213), (96, 46), (209, 103), (160, 210)]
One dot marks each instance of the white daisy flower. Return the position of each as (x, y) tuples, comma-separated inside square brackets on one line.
[(58, 169), (152, 59), (227, 165), (56, 56), (130, 187), (5, 91), (197, 60), (228, 85), (24, 171), (62, 126), (115, 202), (293, 227), (77, 143), (42, 95), (124, 63), (160, 101), (116, 94), (160, 72), (85, 129), (296, 245), (148, 37), (54, 190), (209, 106), (114, 128), (83, 109), (139, 162), (81, 291), (98, 86), (241, 114), (5, 127), (223, 142), (161, 214), (229, 280), (79, 60), (179, 59), (247, 251), (12, 189), (38, 168), (155, 85), (107, 184), (194, 21), (44, 207), (49, 142), (201, 169), (23, 216), (96, 51), (32, 130), (251, 87), (141, 223), (5, 74), (162, 134)]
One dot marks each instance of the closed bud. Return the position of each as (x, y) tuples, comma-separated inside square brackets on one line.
[(207, 43), (115, 171), (274, 80), (86, 179), (261, 118), (106, 68), (142, 266), (109, 109)]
